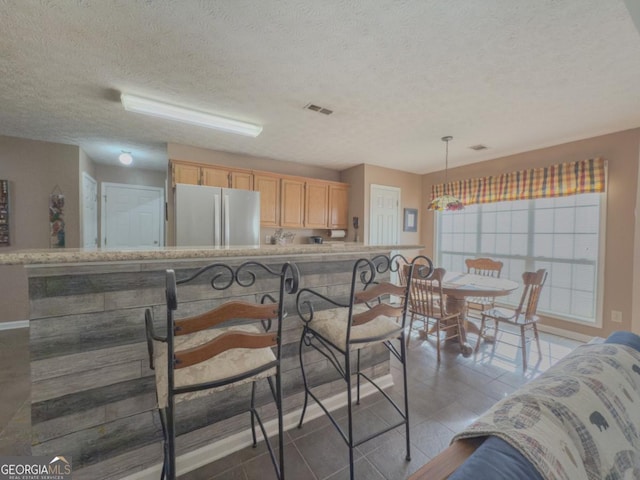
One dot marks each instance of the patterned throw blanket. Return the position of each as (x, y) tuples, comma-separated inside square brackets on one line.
[(579, 420)]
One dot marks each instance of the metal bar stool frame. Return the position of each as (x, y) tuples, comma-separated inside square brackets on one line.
[(364, 276), (223, 277)]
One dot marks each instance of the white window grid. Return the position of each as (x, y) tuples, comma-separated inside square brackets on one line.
[(561, 235)]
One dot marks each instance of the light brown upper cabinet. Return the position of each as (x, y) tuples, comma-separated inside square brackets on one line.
[(210, 175), (285, 201), (316, 205), (338, 206), (215, 177), (269, 188), (185, 173), (292, 203), (241, 180)]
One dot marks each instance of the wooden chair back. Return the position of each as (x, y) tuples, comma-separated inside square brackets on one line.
[(223, 277), (533, 283), (427, 298), (484, 266)]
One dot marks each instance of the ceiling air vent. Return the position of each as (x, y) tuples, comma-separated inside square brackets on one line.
[(317, 108), (478, 147)]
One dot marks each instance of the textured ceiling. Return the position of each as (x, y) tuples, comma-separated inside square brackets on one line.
[(399, 74)]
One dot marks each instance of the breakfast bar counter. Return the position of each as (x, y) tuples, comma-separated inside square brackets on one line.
[(92, 391), (81, 255)]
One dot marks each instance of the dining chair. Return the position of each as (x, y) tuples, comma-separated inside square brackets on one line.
[(403, 275), (236, 343), (342, 329), (524, 316), (486, 267), (429, 304)]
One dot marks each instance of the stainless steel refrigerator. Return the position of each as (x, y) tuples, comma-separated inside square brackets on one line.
[(220, 217)]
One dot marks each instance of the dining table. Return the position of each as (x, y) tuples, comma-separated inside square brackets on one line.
[(457, 286)]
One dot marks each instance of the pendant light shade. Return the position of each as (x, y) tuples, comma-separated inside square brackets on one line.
[(446, 201)]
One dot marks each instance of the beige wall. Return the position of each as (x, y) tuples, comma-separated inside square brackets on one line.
[(411, 196), (130, 176), (85, 165), (635, 315), (33, 169), (354, 176), (621, 150), (361, 177)]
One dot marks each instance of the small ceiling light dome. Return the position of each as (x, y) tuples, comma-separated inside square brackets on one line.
[(125, 158)]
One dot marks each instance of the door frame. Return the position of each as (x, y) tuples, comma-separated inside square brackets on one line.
[(103, 210), (87, 177), (373, 187)]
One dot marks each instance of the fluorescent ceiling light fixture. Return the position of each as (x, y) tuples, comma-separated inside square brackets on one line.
[(145, 106), (125, 158)]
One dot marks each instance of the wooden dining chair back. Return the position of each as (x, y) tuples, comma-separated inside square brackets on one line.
[(340, 331), (238, 342), (403, 274), (429, 304), (486, 267), (524, 316)]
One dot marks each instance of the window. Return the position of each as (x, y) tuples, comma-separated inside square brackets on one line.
[(559, 234)]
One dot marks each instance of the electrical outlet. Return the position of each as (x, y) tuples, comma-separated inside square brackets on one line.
[(267, 239), (616, 316)]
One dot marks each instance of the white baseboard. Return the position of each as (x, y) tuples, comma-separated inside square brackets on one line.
[(12, 325), (580, 337), (212, 452)]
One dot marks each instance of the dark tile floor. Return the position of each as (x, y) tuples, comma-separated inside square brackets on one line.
[(443, 399)]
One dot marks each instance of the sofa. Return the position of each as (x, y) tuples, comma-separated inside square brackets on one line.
[(578, 420)]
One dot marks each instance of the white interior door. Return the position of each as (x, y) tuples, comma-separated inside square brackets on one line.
[(132, 216), (89, 211), (384, 219)]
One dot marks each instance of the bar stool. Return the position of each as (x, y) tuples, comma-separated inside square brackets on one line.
[(200, 356), (367, 318)]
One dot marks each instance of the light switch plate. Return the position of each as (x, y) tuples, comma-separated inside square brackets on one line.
[(616, 316)]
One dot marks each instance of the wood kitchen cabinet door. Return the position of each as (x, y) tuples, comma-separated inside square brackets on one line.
[(316, 205), (338, 206), (269, 188), (185, 173), (242, 180), (215, 177), (292, 203)]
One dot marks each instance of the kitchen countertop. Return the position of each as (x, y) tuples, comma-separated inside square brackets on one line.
[(80, 255)]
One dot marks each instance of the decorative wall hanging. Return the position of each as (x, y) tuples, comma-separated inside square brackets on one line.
[(4, 214), (410, 220), (56, 218)]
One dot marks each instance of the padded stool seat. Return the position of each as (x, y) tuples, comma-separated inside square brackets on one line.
[(234, 362)]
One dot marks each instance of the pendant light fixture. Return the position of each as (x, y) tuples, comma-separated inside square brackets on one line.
[(446, 201)]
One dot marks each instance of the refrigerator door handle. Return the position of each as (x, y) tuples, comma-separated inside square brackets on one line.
[(216, 224), (226, 220)]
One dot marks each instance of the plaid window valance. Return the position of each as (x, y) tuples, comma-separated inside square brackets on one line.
[(585, 176)]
